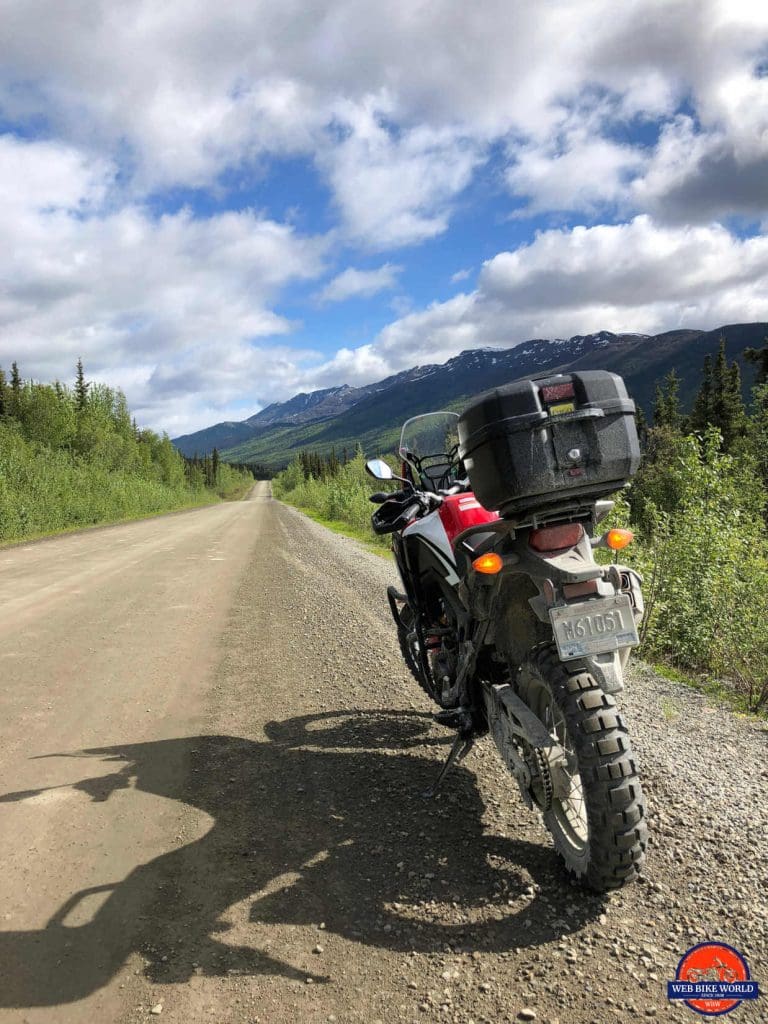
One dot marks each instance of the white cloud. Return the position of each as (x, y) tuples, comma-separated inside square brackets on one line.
[(396, 106), (575, 169), (395, 188), (416, 93), (461, 275), (361, 283), (638, 277), (169, 307)]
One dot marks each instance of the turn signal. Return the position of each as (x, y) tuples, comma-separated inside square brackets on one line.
[(489, 564), (618, 539)]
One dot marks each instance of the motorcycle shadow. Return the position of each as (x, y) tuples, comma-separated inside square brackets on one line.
[(323, 822)]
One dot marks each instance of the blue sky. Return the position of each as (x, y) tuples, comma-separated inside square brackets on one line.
[(217, 209)]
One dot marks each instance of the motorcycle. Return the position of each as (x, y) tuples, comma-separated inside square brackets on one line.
[(505, 619)]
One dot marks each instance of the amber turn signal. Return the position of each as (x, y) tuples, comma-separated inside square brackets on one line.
[(618, 539), (489, 564)]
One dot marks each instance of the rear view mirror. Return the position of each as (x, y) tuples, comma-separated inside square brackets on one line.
[(379, 469)]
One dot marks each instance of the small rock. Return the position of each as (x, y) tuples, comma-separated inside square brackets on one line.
[(527, 1014), (157, 1009), (485, 987), (318, 949)]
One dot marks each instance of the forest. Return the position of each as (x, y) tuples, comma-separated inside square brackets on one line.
[(697, 507), (73, 456)]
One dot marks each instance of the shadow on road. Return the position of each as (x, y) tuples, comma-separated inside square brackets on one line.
[(323, 822)]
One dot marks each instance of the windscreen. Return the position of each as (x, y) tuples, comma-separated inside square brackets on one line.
[(429, 443)]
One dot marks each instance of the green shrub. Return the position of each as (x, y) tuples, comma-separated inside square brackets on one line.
[(342, 497), (69, 461)]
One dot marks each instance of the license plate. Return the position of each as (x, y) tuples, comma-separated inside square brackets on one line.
[(594, 627)]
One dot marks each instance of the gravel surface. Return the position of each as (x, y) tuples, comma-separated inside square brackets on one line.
[(328, 889)]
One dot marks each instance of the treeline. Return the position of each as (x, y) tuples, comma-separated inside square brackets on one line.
[(209, 466), (698, 507), (75, 456), (337, 489), (321, 467)]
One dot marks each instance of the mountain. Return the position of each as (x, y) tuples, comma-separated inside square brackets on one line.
[(342, 417)]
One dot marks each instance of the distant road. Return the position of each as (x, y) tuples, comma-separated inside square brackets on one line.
[(212, 763)]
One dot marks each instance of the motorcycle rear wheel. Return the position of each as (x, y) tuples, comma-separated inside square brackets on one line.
[(599, 828)]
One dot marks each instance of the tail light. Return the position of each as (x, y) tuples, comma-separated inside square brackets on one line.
[(557, 392), (556, 538), (489, 564), (617, 540)]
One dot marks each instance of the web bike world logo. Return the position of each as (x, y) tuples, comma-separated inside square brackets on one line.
[(712, 979)]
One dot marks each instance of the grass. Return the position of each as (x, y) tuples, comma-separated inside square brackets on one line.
[(708, 685), (337, 526), (202, 501)]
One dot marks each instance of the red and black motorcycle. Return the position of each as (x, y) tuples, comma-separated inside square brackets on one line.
[(506, 620)]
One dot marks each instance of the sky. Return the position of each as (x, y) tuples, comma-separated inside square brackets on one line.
[(219, 206)]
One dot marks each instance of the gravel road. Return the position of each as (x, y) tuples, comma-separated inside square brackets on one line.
[(255, 848)]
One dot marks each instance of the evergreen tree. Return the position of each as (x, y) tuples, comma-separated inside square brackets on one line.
[(727, 412), (215, 466), (16, 384), (81, 387), (666, 409), (642, 426), (701, 416), (759, 356), (3, 394)]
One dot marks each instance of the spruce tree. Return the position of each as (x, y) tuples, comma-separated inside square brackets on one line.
[(81, 387), (3, 394), (727, 412), (759, 356), (642, 425), (14, 406), (666, 409), (701, 416), (215, 465)]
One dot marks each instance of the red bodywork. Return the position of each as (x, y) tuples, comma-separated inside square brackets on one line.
[(460, 511)]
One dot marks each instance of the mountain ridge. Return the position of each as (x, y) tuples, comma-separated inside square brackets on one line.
[(343, 416)]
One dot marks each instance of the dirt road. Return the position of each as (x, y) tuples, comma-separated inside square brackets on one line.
[(210, 777)]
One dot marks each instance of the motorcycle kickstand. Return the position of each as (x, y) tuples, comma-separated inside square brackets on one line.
[(461, 747)]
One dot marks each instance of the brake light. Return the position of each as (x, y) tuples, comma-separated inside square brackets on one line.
[(556, 392), (619, 539), (556, 538), (489, 564)]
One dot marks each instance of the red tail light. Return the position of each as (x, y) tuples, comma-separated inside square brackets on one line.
[(556, 392), (556, 538)]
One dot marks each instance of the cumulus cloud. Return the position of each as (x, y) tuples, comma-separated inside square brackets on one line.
[(164, 306), (352, 282), (393, 187), (639, 277), (610, 110), (398, 103), (701, 176)]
